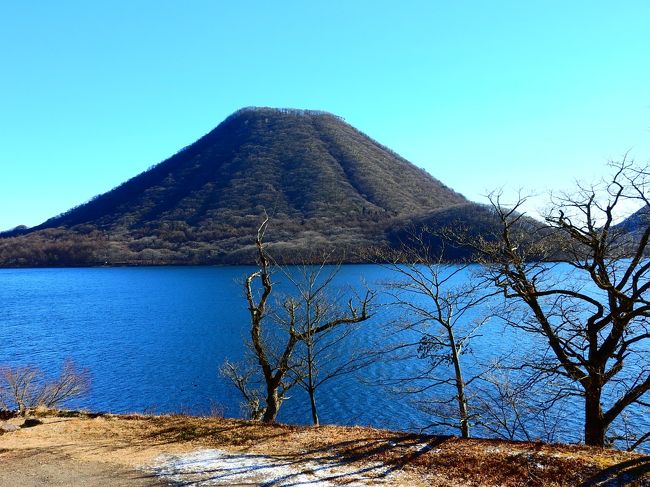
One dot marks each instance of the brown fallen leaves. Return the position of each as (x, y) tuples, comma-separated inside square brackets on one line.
[(408, 459)]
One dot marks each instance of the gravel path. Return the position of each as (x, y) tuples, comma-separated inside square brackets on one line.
[(51, 468)]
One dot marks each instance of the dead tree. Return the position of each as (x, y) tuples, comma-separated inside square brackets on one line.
[(591, 304), (439, 302), (21, 386), (241, 377), (71, 383), (513, 405), (274, 373), (323, 325), (275, 333), (26, 388)]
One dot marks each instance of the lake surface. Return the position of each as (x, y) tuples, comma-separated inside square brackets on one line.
[(154, 338)]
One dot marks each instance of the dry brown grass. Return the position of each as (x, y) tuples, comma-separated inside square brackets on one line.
[(409, 459)]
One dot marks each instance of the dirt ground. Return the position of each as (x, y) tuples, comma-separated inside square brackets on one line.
[(73, 449)]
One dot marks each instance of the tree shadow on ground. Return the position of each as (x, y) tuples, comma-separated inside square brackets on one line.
[(336, 462), (624, 473), (229, 435)]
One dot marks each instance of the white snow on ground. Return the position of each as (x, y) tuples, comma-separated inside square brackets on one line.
[(208, 467)]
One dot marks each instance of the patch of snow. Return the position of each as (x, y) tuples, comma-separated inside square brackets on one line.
[(208, 467), (425, 448)]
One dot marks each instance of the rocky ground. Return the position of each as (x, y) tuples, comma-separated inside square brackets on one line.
[(70, 449)]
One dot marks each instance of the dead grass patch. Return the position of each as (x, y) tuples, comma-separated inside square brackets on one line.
[(424, 459)]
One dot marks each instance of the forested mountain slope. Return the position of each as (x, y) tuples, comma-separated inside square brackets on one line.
[(327, 187)]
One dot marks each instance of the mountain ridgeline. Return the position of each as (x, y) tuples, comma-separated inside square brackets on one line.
[(328, 189), (637, 223)]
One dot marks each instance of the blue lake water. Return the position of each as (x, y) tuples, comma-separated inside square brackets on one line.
[(154, 338)]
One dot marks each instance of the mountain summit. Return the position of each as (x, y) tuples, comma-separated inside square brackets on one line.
[(326, 186)]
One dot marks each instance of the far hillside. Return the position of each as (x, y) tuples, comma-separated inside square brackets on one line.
[(328, 188), (331, 192)]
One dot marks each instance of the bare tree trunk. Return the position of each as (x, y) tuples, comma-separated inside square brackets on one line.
[(277, 369), (314, 410), (273, 403), (595, 427), (590, 334), (311, 388), (460, 385)]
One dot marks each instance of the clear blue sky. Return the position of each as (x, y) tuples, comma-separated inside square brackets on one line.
[(482, 94)]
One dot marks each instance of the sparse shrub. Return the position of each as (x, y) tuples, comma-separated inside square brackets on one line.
[(25, 388)]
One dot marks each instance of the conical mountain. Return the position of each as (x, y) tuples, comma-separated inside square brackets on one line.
[(326, 186)]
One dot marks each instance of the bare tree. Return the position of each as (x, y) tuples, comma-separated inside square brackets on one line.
[(21, 387), (440, 302), (71, 383), (592, 305), (514, 406), (313, 305), (241, 377), (26, 387), (4, 398), (273, 340)]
